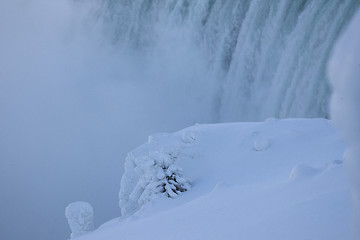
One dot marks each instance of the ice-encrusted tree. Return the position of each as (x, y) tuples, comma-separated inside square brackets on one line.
[(170, 180), (80, 216), (147, 175)]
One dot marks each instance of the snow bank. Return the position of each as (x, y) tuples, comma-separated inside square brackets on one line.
[(344, 71), (302, 171), (294, 188), (80, 216)]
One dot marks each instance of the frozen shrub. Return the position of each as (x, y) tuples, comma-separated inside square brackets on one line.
[(169, 180), (149, 174), (80, 216)]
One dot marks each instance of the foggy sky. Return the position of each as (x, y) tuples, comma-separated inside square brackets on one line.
[(72, 105)]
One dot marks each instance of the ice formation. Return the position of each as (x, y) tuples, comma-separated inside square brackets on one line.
[(80, 216), (150, 173)]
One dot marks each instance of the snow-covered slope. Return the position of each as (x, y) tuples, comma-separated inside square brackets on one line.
[(278, 179)]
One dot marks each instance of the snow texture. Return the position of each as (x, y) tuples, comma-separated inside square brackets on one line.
[(261, 144), (80, 216), (237, 192), (303, 171), (344, 71)]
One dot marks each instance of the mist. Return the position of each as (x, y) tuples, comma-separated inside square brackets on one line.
[(72, 104)]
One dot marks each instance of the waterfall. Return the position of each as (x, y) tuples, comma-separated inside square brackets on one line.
[(254, 59)]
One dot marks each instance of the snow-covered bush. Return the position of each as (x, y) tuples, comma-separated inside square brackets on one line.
[(170, 181), (80, 216), (149, 174)]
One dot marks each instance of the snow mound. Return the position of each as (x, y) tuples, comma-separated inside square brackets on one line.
[(302, 170), (188, 137), (236, 192), (261, 144), (80, 216)]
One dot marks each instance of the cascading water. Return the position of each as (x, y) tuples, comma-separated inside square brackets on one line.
[(259, 58)]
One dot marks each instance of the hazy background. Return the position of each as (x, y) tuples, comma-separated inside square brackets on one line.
[(71, 107)]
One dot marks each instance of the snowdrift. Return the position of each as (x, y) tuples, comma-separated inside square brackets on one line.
[(278, 179), (344, 72)]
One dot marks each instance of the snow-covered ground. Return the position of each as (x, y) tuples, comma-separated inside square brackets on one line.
[(344, 72), (278, 179)]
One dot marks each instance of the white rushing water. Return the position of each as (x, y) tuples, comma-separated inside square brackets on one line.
[(259, 58)]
